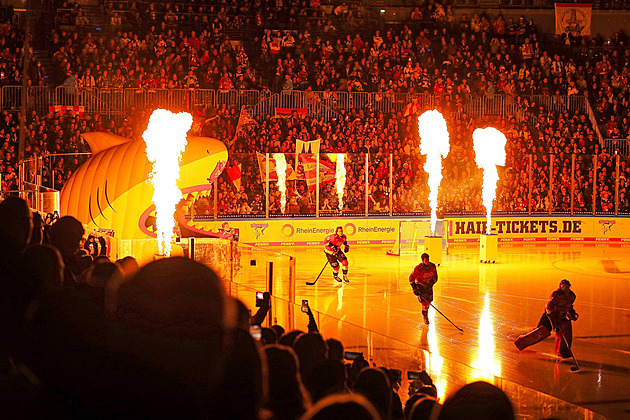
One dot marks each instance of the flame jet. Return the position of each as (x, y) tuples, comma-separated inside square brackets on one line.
[(434, 143), (340, 175), (281, 171), (489, 146), (165, 139)]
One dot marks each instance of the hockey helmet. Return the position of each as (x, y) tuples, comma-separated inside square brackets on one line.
[(565, 281)]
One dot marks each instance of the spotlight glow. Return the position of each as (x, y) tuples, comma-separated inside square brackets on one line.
[(165, 139)]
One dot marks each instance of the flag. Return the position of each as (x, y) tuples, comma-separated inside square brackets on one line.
[(575, 16), (287, 112), (234, 175), (273, 176), (413, 108), (199, 121), (62, 108), (326, 171), (244, 119), (302, 146)]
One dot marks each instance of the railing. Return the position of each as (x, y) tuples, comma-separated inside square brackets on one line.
[(617, 146), (593, 120), (117, 102)]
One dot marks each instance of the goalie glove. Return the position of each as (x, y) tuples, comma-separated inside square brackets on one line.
[(572, 315), (346, 248)]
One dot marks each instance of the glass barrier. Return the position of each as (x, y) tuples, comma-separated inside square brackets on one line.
[(379, 170), (605, 182), (624, 184), (583, 196)]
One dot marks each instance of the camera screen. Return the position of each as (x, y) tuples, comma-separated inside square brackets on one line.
[(304, 305)]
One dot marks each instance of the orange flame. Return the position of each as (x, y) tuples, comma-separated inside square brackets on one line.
[(165, 139), (489, 146)]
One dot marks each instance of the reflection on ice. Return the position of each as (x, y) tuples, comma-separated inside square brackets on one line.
[(487, 362)]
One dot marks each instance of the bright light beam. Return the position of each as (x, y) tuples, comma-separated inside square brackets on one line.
[(434, 143), (165, 139), (281, 171), (340, 181), (489, 146)]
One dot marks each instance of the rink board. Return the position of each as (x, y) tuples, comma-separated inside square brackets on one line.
[(380, 231)]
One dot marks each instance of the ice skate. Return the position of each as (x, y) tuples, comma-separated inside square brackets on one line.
[(336, 277), (345, 279)]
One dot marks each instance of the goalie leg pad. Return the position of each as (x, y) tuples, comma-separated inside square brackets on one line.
[(535, 336)]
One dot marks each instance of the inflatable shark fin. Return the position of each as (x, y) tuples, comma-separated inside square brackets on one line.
[(99, 140)]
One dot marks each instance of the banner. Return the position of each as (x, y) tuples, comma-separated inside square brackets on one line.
[(412, 108), (574, 18), (273, 176), (286, 112), (311, 147), (63, 108), (327, 171)]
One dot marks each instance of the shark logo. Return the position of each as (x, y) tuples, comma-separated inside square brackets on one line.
[(111, 189), (607, 225), (259, 228)]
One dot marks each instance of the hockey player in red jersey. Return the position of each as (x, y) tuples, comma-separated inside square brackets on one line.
[(558, 315), (336, 245), (422, 279)]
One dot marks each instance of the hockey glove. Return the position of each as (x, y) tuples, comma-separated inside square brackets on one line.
[(417, 289), (346, 248)]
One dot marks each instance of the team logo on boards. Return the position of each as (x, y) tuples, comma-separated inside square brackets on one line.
[(349, 229), (607, 225), (288, 230), (259, 228)]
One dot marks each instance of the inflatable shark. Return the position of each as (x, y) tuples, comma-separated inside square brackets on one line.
[(111, 190)]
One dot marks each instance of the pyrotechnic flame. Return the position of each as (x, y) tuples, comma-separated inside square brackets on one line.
[(340, 181), (489, 146), (281, 171), (434, 144), (165, 139)]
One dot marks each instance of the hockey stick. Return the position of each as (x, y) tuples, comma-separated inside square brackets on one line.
[(577, 366), (438, 311), (309, 283)]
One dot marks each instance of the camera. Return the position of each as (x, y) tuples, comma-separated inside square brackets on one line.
[(260, 298), (304, 305), (353, 355), (420, 376)]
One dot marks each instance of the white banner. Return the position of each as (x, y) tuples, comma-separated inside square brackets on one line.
[(574, 18)]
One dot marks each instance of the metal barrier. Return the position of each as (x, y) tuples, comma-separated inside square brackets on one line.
[(113, 102), (617, 146)]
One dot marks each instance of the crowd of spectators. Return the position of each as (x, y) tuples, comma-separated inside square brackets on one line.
[(82, 336), (434, 53)]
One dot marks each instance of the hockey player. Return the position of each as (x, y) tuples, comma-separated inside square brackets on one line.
[(226, 232), (558, 315), (422, 279), (336, 245)]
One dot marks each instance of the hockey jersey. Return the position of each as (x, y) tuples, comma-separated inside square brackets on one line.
[(334, 240), (560, 303), (424, 274)]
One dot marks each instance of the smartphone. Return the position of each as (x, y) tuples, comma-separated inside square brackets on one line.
[(352, 355), (304, 305), (254, 331), (420, 376), (259, 299)]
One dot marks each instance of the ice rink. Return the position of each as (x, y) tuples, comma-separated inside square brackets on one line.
[(494, 304)]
